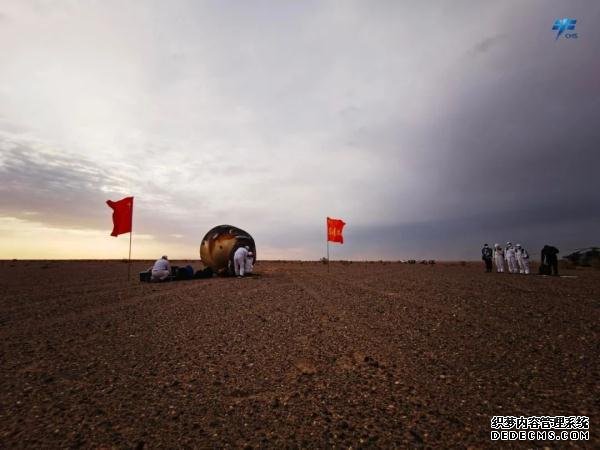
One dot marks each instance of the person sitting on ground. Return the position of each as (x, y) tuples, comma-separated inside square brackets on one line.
[(161, 269)]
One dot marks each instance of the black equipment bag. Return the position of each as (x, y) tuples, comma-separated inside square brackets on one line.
[(145, 276)]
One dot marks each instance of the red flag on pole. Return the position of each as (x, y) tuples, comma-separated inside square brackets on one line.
[(122, 215), (334, 230)]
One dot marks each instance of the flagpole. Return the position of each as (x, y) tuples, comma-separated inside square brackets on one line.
[(130, 239), (129, 263), (327, 240)]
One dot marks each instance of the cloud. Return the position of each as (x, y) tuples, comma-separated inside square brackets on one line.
[(419, 121), (64, 189), (486, 44), (27, 239)]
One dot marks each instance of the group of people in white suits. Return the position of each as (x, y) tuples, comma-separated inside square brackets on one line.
[(515, 257)]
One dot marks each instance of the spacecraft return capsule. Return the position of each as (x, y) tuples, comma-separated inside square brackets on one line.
[(219, 245)]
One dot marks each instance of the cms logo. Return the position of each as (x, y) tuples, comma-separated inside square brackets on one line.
[(564, 27)]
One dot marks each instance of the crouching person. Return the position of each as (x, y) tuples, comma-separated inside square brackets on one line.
[(161, 269)]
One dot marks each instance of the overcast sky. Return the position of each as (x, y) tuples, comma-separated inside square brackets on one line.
[(429, 127)]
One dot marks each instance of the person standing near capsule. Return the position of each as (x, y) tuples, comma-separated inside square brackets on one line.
[(523, 260), (239, 260), (550, 259), (511, 258), (486, 255), (249, 268), (499, 258)]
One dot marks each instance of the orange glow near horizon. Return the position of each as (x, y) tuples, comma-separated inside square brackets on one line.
[(24, 239), (29, 239)]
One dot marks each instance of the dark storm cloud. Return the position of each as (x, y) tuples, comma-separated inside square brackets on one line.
[(512, 155), (522, 142), (463, 237)]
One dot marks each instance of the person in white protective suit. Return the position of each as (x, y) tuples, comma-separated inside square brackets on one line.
[(511, 258), (161, 269), (523, 260), (499, 258), (249, 263), (239, 260)]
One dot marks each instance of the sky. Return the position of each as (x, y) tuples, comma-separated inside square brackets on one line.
[(429, 127)]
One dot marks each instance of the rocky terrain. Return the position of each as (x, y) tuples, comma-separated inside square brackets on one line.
[(366, 355)]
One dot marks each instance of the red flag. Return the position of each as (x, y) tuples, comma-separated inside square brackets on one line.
[(334, 230), (122, 215)]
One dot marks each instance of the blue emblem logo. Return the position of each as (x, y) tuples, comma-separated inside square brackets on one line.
[(562, 25)]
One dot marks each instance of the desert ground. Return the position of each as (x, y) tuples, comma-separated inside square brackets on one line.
[(367, 355)]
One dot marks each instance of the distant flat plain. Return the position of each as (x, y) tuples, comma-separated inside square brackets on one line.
[(367, 354)]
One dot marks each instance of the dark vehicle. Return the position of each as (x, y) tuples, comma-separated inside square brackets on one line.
[(585, 257)]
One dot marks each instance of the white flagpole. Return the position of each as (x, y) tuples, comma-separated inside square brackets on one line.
[(129, 263), (130, 239)]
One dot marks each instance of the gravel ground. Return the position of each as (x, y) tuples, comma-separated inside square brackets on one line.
[(368, 355)]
